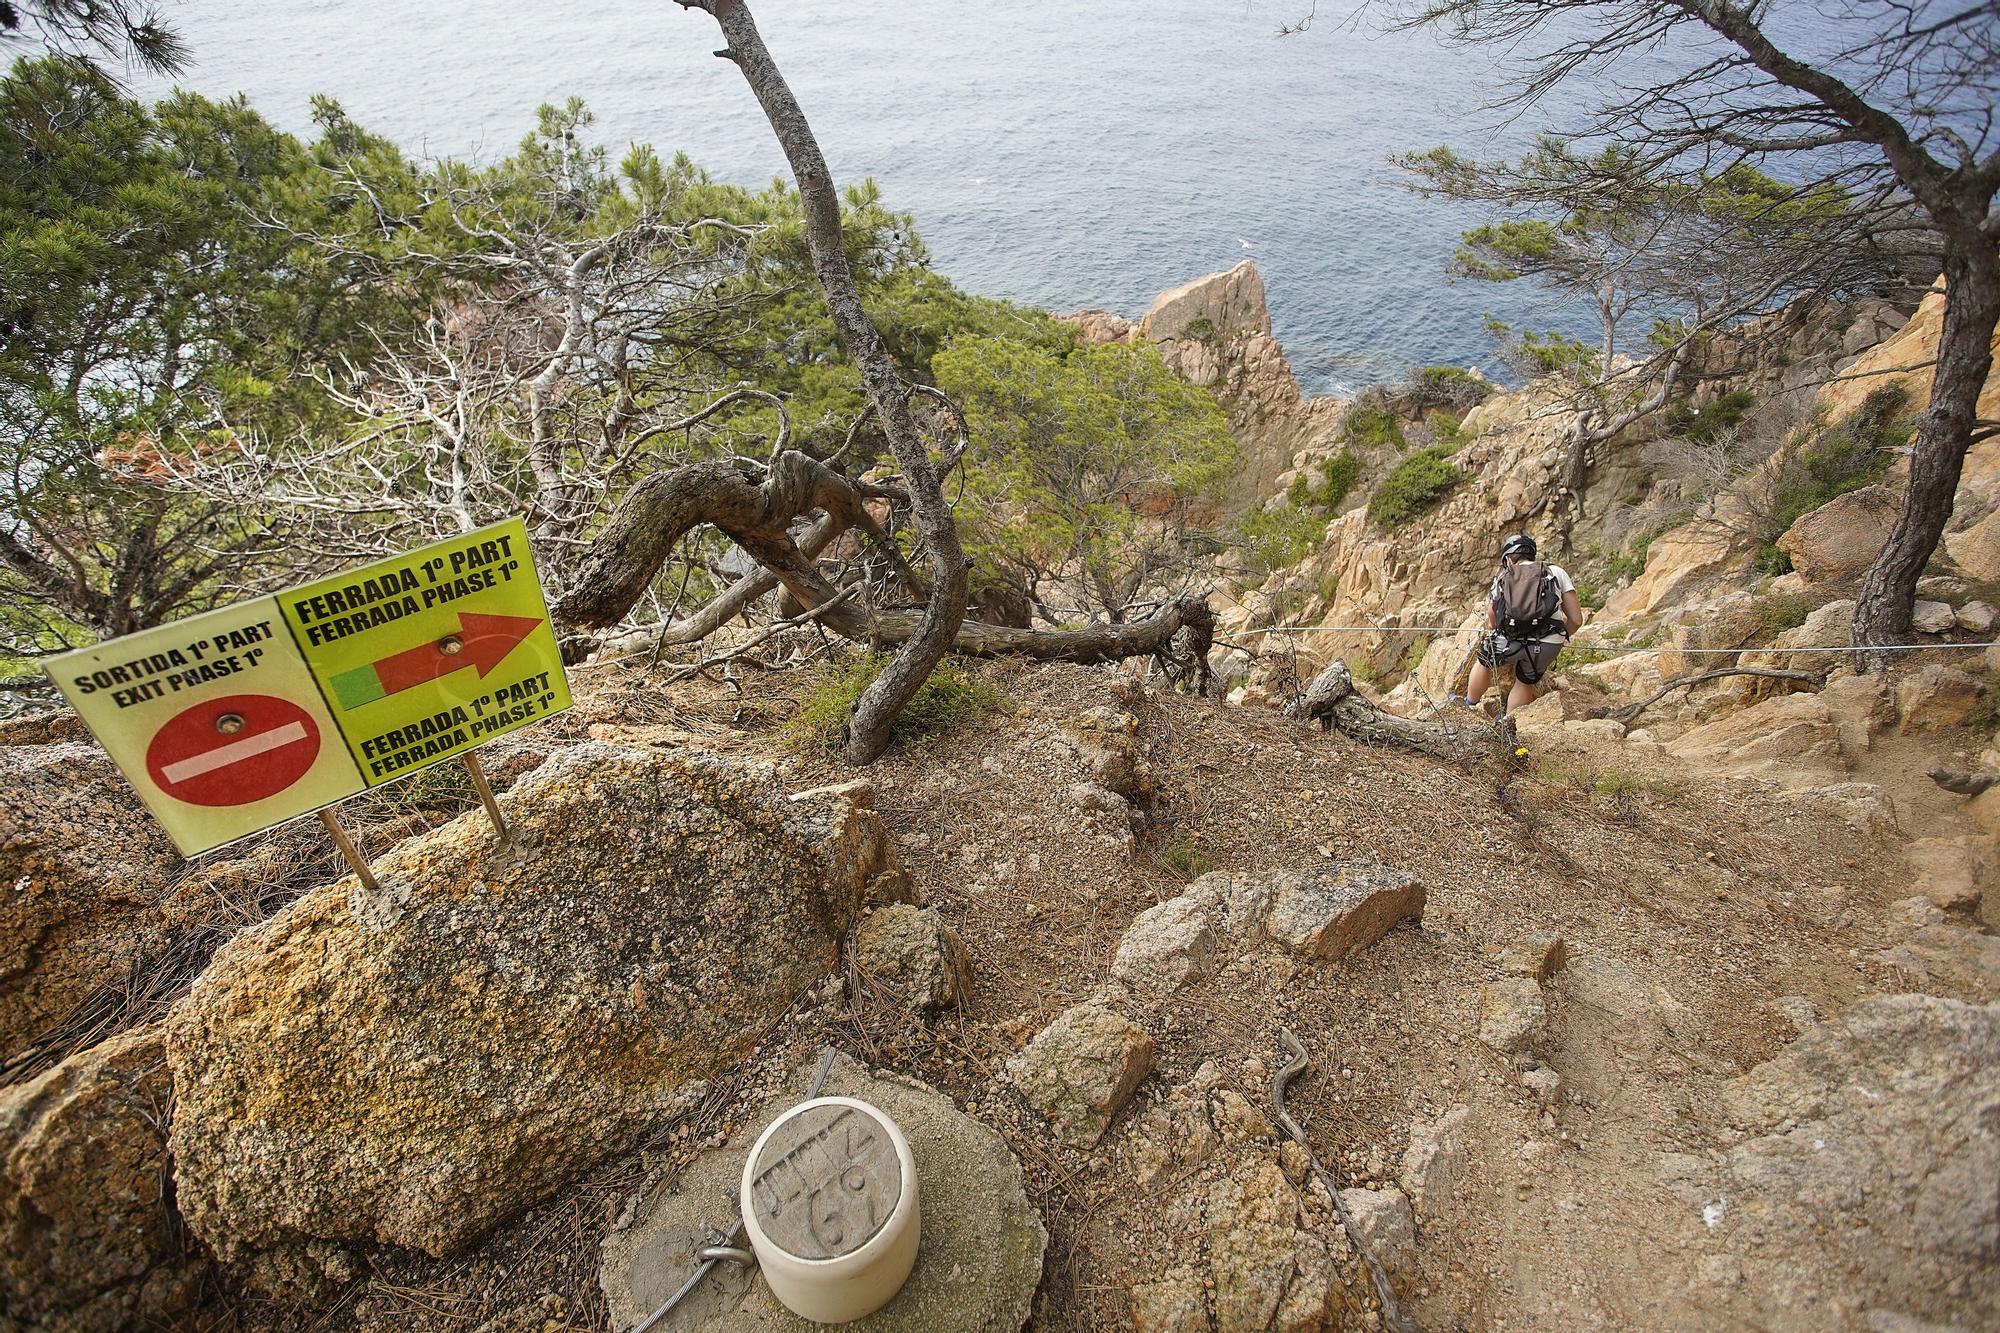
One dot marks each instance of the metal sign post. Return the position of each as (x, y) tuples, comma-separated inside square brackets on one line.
[(479, 784), (349, 850)]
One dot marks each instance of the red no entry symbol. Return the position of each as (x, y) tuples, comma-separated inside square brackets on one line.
[(233, 751)]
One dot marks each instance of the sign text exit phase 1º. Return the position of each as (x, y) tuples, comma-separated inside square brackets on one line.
[(240, 718)]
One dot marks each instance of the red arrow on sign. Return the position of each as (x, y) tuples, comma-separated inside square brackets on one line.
[(482, 641)]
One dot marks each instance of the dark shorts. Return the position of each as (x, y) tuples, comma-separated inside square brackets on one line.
[(1526, 660)]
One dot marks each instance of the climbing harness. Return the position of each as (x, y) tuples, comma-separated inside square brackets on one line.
[(1392, 1314), (726, 1250)]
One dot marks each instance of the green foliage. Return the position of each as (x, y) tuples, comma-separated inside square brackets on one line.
[(1630, 562), (1337, 476), (1201, 329), (1779, 612), (1575, 654), (1371, 423), (1636, 237), (1449, 387), (151, 287), (1185, 857), (1088, 464), (1819, 466), (951, 699), (1416, 486), (1590, 594), (1705, 425), (1270, 537)]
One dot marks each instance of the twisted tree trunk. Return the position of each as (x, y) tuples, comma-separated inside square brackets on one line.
[(1888, 592), (868, 723), (756, 506)]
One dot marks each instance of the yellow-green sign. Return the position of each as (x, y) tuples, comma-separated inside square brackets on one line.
[(232, 721)]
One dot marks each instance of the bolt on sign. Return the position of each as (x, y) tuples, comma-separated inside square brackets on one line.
[(232, 721)]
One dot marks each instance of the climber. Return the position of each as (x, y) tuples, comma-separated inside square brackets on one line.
[(1530, 614)]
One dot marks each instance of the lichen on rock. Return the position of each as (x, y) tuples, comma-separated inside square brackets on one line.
[(410, 1067), (88, 1240), (84, 867)]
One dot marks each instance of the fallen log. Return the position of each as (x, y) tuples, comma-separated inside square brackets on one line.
[(1331, 701), (1963, 783)]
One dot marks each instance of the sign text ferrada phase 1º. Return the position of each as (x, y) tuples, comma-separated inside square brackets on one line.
[(232, 721)]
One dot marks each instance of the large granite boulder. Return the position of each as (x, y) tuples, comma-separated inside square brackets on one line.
[(83, 867), (1842, 537), (88, 1240), (1876, 1134), (411, 1066)]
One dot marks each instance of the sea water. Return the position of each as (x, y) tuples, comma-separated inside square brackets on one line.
[(1061, 154)]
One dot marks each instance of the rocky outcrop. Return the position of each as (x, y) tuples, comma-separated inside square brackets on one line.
[(1080, 1069), (913, 953), (412, 1065), (1232, 1232), (979, 1254), (1324, 912), (1934, 697), (1792, 738), (1837, 541), (1216, 332), (88, 1240), (1878, 1134), (83, 867)]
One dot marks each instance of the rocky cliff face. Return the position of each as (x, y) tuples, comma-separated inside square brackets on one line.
[(1216, 332)]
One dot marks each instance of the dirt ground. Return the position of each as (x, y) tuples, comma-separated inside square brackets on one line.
[(1691, 907)]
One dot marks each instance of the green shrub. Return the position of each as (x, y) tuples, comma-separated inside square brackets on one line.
[(1575, 655), (1704, 425), (1444, 428), (1448, 388), (950, 699), (1201, 329), (1185, 857), (1782, 611), (1590, 594), (1370, 422), (1337, 476), (1627, 564), (1277, 536), (1845, 457), (1416, 486)]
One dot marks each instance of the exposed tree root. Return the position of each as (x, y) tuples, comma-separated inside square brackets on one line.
[(1630, 711)]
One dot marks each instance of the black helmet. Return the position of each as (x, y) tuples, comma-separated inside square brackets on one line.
[(1520, 546)]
